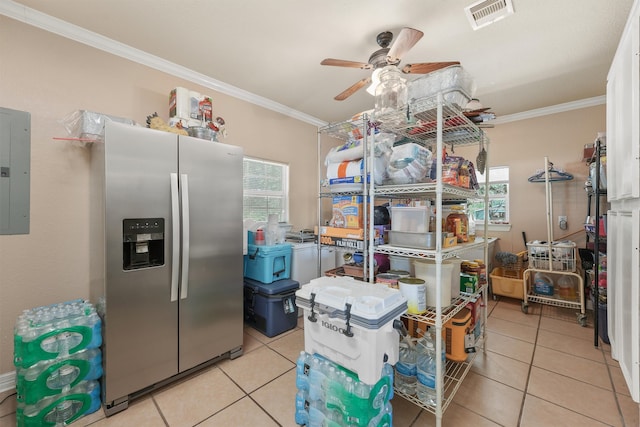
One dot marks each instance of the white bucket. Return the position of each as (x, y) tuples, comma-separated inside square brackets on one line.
[(414, 291), (456, 263), (427, 272), (400, 263)]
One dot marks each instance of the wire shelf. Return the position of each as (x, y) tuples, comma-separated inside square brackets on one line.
[(419, 123), (454, 375), (449, 192), (450, 252), (348, 129)]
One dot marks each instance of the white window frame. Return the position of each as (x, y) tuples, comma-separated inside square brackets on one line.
[(284, 192), (497, 175)]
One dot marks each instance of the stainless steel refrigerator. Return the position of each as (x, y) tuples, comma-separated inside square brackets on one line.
[(166, 256)]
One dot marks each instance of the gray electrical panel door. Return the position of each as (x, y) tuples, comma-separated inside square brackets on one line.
[(15, 161)]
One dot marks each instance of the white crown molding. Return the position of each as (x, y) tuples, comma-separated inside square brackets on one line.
[(62, 28), (8, 381), (554, 109)]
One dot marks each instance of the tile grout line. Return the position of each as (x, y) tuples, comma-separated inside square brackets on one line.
[(153, 399), (613, 386), (533, 355)]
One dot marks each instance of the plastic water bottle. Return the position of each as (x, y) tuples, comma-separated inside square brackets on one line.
[(384, 418), (302, 412), (61, 409), (426, 370), (317, 379), (406, 371), (50, 377), (302, 371), (387, 371)]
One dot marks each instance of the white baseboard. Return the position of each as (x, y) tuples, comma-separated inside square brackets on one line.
[(7, 381)]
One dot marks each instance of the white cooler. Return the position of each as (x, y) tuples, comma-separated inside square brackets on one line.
[(354, 323)]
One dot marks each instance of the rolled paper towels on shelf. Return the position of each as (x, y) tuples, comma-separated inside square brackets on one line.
[(345, 169), (337, 155)]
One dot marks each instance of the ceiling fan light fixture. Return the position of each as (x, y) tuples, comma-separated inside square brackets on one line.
[(486, 12), (375, 81)]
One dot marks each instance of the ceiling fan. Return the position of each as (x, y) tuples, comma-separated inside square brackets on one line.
[(385, 56)]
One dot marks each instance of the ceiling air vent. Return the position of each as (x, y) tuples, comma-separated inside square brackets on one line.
[(485, 12)]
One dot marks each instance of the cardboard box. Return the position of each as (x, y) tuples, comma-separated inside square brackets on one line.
[(347, 211), (350, 233), (448, 241), (355, 245), (468, 283)]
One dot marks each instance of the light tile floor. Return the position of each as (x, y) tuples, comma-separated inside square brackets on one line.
[(539, 369)]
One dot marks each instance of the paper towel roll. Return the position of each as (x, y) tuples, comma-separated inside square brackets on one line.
[(179, 103), (345, 169)]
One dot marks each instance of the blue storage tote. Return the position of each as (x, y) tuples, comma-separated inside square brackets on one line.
[(268, 263), (271, 308)]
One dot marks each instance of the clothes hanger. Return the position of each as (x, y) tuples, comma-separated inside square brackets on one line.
[(554, 175)]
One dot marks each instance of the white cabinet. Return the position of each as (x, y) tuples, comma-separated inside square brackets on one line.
[(304, 261), (623, 192)]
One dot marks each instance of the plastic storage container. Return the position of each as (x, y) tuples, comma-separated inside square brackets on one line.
[(267, 264), (456, 84), (507, 286), (271, 308), (351, 323), (410, 218)]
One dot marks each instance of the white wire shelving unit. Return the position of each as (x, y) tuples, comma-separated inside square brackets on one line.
[(435, 124)]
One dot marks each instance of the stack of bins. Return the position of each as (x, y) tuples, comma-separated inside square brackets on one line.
[(345, 374), (269, 292), (58, 363)]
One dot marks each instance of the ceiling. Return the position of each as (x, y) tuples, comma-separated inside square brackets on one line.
[(549, 52)]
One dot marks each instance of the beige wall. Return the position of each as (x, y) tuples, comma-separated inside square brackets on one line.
[(522, 145), (49, 77)]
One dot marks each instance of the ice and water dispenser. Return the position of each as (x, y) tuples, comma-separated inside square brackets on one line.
[(142, 243)]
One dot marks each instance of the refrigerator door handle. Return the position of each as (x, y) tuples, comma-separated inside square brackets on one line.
[(175, 238), (184, 198)]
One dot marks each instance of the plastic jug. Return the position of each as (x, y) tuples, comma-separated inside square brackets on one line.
[(543, 284), (567, 288)]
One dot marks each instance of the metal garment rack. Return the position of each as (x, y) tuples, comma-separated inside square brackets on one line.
[(599, 150), (547, 263)]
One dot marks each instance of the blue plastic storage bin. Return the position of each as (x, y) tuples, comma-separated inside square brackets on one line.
[(267, 264), (271, 308)]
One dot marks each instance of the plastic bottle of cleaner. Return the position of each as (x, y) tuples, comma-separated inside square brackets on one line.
[(543, 284), (426, 370)]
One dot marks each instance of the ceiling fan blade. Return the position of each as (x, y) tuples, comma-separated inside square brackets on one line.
[(407, 38), (426, 67), (343, 63), (353, 89)]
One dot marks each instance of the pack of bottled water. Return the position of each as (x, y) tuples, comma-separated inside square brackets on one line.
[(58, 363), (330, 395)]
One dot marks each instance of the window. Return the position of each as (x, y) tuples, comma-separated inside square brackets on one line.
[(498, 196), (266, 189)]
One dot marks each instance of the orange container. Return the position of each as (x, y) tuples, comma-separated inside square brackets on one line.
[(455, 330)]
